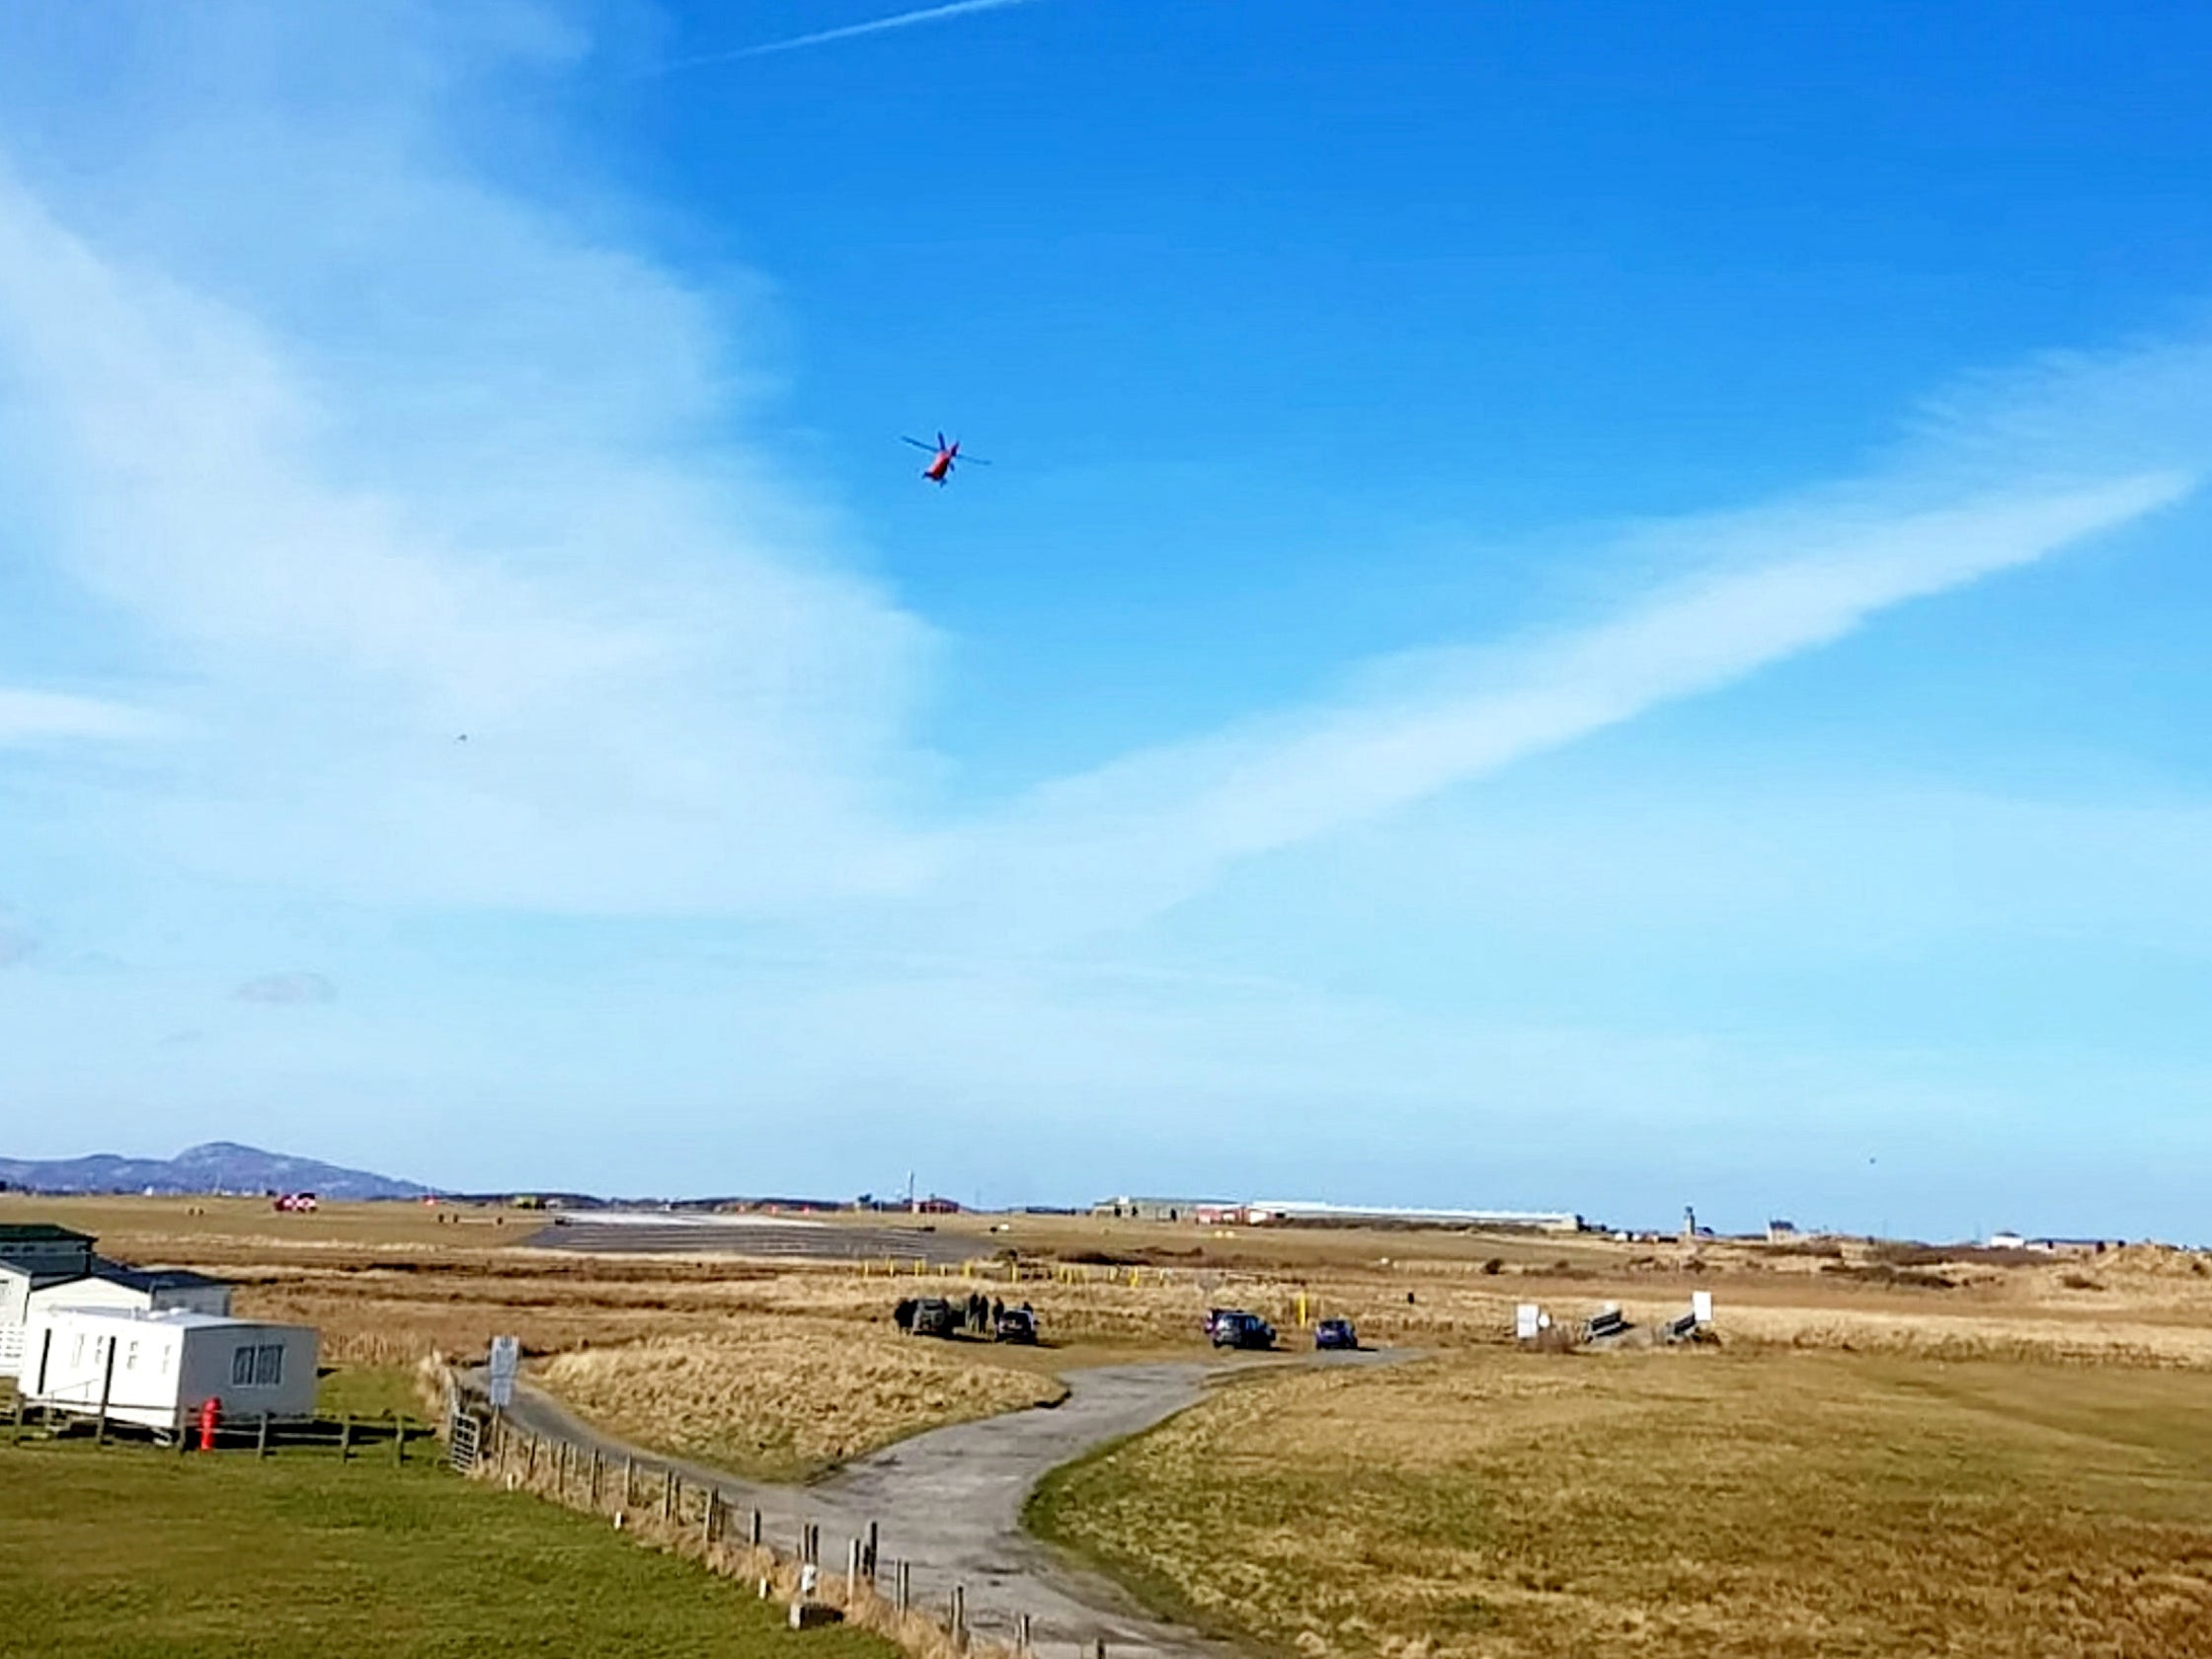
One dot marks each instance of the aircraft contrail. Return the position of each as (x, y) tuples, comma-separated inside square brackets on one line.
[(850, 31)]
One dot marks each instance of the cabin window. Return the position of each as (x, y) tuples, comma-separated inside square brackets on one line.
[(242, 1366), (130, 1357), (268, 1365)]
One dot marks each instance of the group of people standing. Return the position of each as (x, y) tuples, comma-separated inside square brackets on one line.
[(978, 1312)]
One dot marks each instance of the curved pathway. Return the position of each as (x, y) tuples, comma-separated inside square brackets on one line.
[(949, 1502)]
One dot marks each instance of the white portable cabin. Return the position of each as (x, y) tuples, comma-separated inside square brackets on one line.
[(157, 1367), (107, 1284), (149, 1290)]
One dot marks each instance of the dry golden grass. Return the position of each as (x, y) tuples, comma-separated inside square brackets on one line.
[(388, 1282), (1498, 1504), (783, 1398)]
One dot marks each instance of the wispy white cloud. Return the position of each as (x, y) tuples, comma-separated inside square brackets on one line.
[(48, 716), (293, 989), (850, 32), (1115, 846), (17, 939)]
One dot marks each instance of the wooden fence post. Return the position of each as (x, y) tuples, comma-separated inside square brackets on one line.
[(667, 1494), (594, 1478), (868, 1556), (960, 1615), (107, 1388), (399, 1437), (629, 1486), (852, 1572), (345, 1437), (260, 1437), (903, 1587), (1021, 1632), (753, 1537), (706, 1521), (529, 1461)]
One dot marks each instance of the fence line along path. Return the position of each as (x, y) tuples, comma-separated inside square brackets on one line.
[(938, 1517)]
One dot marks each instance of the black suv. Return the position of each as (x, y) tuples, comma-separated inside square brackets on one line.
[(1232, 1327)]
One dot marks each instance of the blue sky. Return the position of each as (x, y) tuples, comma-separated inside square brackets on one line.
[(1599, 611)]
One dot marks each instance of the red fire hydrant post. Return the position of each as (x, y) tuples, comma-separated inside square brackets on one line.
[(210, 1411)]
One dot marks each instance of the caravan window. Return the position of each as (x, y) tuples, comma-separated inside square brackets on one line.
[(242, 1366), (77, 1354), (130, 1357), (268, 1365)]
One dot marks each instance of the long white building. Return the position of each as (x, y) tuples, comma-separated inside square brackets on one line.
[(1308, 1210)]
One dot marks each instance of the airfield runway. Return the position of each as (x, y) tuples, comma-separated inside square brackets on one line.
[(775, 1239)]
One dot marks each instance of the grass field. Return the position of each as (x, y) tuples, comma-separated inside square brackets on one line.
[(782, 1399), (134, 1554), (1498, 1504)]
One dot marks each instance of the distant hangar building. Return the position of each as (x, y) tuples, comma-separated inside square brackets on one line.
[(1262, 1211), (1155, 1209), (1211, 1211)]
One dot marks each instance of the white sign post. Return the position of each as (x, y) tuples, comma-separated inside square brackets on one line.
[(1701, 1307), (507, 1359), (1526, 1321)]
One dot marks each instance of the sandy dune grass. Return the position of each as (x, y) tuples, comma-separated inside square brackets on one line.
[(1496, 1504), (783, 1398)]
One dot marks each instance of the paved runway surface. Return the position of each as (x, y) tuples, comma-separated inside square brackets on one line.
[(773, 1239)]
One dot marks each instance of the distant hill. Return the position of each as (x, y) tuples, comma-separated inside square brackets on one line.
[(218, 1166)]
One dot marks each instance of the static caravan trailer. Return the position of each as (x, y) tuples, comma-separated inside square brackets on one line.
[(149, 1290), (157, 1367)]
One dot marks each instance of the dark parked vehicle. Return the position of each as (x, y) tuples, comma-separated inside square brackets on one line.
[(934, 1317), (1232, 1327), (1014, 1324), (1335, 1333)]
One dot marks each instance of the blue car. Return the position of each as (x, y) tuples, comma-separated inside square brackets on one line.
[(1335, 1333)]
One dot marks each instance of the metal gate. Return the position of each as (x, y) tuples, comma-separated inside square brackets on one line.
[(464, 1441)]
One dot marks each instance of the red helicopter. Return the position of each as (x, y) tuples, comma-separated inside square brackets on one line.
[(942, 455)]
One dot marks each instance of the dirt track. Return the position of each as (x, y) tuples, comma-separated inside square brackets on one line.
[(949, 1503)]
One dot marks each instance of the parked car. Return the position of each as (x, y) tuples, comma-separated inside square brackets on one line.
[(934, 1317), (1232, 1327), (1335, 1333), (1014, 1324)]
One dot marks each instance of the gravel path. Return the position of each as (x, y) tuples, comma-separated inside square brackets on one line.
[(949, 1503)]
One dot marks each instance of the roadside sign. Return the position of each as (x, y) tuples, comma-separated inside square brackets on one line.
[(507, 1359), (1701, 1307), (1524, 1322)]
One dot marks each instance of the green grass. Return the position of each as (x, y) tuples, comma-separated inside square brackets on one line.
[(130, 1553), (369, 1391)]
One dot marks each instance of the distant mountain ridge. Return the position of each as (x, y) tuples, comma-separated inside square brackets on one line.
[(218, 1166)]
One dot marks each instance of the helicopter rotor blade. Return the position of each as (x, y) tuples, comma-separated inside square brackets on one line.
[(918, 445)]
